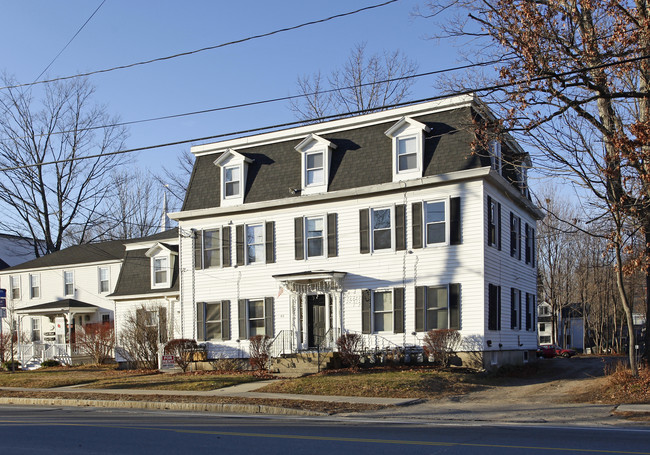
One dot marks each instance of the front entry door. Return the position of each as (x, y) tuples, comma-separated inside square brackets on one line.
[(315, 319)]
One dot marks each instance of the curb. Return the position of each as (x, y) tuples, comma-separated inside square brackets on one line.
[(196, 407)]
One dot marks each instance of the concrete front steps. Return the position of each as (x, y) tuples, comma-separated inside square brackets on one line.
[(303, 363)]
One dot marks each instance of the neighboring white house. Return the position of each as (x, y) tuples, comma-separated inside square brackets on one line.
[(544, 323), (385, 224), (49, 297)]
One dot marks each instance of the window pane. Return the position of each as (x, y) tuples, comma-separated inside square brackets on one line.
[(407, 162), (232, 174), (314, 177), (232, 188), (213, 312), (213, 330), (436, 233), (256, 309), (436, 319), (406, 146), (407, 154), (381, 219), (257, 327), (381, 239), (383, 322), (314, 247), (255, 243), (383, 301), (437, 297), (435, 212), (314, 160)]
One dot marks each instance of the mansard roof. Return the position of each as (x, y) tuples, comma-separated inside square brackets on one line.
[(363, 155)]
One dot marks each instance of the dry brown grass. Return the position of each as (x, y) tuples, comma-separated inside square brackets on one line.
[(620, 386)]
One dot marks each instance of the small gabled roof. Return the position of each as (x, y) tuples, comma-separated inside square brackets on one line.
[(404, 121), (173, 249), (231, 153), (314, 138)]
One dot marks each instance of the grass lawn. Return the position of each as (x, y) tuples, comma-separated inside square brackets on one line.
[(111, 378), (407, 383)]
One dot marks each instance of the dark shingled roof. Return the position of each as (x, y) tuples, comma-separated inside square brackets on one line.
[(135, 275), (65, 304), (90, 252), (363, 157)]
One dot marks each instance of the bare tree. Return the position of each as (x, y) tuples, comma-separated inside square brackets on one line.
[(49, 201), (364, 82), (574, 77), (176, 178), (142, 335)]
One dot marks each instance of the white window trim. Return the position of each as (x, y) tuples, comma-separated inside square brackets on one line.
[(324, 236), (405, 128), (11, 287), (248, 316), (371, 225), (231, 158), (220, 255), (426, 305), (162, 284), (156, 252), (220, 319), (425, 233), (65, 293), (40, 293), (99, 279), (313, 144), (392, 311), (224, 185), (262, 260)]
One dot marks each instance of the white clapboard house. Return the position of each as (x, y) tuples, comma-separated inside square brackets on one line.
[(384, 224)]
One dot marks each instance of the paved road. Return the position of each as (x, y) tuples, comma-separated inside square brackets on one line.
[(86, 431)]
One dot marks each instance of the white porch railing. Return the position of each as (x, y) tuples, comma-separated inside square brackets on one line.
[(283, 343), (39, 352)]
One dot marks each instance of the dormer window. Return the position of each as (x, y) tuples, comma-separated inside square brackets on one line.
[(315, 163), (162, 262), (495, 156), (232, 179), (234, 169), (408, 148)]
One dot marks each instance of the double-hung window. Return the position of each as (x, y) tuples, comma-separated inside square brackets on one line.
[(314, 169), (314, 230), (213, 320), (211, 248), (437, 307), (515, 309), (232, 180), (494, 223), (383, 311), (256, 318), (15, 287), (68, 283), (495, 156), (435, 220), (104, 280), (36, 329), (34, 286), (407, 154), (255, 243), (515, 236), (160, 270), (381, 229)]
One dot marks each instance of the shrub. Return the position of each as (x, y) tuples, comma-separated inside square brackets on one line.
[(7, 366), (441, 345), (182, 349), (225, 364), (260, 352), (50, 363), (139, 336), (97, 341), (349, 345)]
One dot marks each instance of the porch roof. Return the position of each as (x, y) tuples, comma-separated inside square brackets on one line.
[(59, 306)]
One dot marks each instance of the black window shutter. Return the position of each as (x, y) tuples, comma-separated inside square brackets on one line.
[(499, 227), (454, 221), (243, 325), (416, 214), (492, 307), (198, 250), (527, 232), (398, 310), (534, 311), (454, 306), (400, 227), (364, 231), (519, 239), (225, 246), (239, 244), (513, 309), (528, 315), (490, 223), (268, 316), (162, 324), (365, 311), (270, 242), (225, 320), (532, 247), (200, 321), (498, 307), (331, 235), (299, 233), (513, 235), (420, 296)]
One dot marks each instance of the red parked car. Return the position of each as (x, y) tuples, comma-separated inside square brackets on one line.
[(546, 351), (561, 352)]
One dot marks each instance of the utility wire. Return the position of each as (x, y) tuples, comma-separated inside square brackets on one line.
[(209, 48), (70, 41), (334, 116)]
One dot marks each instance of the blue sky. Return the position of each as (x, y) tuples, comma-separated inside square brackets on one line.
[(124, 32)]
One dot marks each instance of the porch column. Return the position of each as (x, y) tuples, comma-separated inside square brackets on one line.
[(303, 328), (328, 302)]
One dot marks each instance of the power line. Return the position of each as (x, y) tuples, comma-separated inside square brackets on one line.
[(209, 48), (334, 116), (70, 41)]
